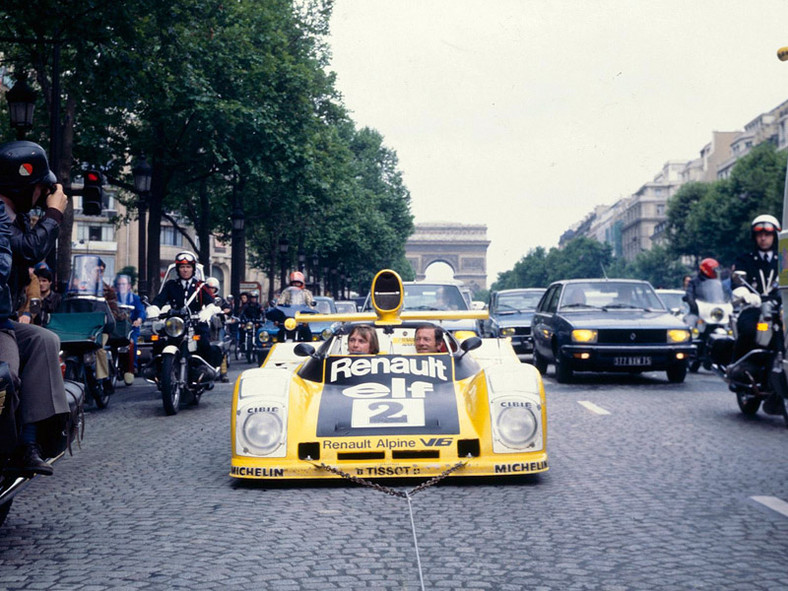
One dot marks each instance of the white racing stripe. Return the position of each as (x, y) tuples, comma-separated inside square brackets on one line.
[(593, 407), (773, 503)]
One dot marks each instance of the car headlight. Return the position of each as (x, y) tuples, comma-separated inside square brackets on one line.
[(516, 425), (263, 432), (508, 331), (678, 335), (264, 337), (174, 326), (584, 335), (717, 314)]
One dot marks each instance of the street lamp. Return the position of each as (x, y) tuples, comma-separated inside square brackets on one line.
[(238, 248), (21, 103), (283, 246), (143, 174)]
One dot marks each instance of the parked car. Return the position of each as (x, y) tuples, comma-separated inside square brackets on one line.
[(608, 325), (511, 313)]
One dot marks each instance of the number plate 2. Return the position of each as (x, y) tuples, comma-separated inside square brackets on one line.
[(406, 412), (641, 361)]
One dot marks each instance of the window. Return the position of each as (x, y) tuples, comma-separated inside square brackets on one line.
[(87, 232), (171, 237)]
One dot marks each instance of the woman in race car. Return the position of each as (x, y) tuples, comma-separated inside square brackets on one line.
[(363, 340)]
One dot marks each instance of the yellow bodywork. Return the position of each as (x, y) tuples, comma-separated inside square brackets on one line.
[(496, 398)]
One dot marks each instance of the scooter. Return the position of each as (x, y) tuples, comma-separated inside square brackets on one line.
[(54, 438), (751, 361)]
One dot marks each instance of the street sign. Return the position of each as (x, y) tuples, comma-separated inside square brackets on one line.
[(250, 285)]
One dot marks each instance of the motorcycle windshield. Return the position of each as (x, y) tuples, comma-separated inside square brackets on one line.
[(87, 275), (711, 291)]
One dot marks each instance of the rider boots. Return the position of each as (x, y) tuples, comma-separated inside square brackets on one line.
[(27, 461)]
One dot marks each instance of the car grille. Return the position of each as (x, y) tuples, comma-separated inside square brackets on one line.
[(628, 337), (523, 330)]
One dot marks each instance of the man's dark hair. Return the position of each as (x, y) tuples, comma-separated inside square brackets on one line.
[(438, 330), (44, 273)]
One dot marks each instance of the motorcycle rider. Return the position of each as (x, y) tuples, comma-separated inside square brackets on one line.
[(296, 294), (217, 322), (708, 269), (187, 291), (25, 182), (762, 271), (761, 264)]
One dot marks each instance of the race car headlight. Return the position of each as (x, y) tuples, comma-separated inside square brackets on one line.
[(678, 335), (263, 432), (508, 331), (717, 314), (264, 337), (174, 326), (584, 335), (517, 426)]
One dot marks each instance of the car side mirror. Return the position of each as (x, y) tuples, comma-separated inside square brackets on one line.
[(470, 344), (304, 350)]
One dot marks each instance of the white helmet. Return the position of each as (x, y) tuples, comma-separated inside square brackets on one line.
[(765, 223), (212, 282)]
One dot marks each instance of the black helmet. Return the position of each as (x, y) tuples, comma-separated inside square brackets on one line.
[(23, 165)]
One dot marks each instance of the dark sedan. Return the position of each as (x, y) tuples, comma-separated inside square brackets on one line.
[(511, 313), (608, 325)]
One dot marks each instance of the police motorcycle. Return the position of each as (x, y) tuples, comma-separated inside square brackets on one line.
[(81, 321), (176, 368), (752, 364), (54, 440), (713, 317)]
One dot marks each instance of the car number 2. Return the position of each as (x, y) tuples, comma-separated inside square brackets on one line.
[(387, 413)]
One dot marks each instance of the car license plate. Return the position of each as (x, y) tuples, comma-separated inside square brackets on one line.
[(632, 361)]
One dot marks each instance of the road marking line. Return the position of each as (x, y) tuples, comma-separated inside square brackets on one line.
[(773, 503), (593, 407)]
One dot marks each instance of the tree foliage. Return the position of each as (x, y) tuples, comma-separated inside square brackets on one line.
[(234, 107)]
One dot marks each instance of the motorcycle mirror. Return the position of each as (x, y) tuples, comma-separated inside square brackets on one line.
[(738, 276), (303, 349)]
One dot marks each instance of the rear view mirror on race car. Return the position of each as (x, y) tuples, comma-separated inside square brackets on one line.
[(304, 350), (470, 344)]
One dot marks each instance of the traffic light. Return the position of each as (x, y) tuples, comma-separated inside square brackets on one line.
[(92, 193)]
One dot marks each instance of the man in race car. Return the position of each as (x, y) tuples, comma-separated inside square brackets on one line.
[(363, 340), (429, 339)]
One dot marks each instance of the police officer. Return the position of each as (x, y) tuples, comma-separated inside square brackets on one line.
[(26, 182), (188, 291), (761, 264)]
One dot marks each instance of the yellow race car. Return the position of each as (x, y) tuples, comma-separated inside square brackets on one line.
[(471, 410)]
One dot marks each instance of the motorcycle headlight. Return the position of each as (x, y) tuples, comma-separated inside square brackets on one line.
[(249, 326), (263, 432), (264, 337), (507, 332), (174, 326), (717, 314), (516, 426), (678, 335), (584, 335), (326, 334)]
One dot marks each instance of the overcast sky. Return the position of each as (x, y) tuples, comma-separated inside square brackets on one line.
[(526, 114)]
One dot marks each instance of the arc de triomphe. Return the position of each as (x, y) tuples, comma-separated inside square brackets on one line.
[(461, 246)]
